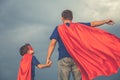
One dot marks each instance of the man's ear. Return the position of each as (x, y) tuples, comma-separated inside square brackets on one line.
[(62, 18)]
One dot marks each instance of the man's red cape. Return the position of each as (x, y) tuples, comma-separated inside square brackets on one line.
[(96, 52), (24, 72)]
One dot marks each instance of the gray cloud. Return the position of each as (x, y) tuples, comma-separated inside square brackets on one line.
[(103, 9)]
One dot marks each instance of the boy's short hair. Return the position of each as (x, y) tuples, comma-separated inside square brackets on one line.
[(67, 14), (24, 49)]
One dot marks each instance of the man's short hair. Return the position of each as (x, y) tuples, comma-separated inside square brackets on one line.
[(24, 49), (67, 15)]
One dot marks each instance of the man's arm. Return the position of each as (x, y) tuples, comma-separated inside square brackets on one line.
[(99, 23), (50, 50)]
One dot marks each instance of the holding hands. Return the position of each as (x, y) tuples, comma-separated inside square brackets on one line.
[(49, 63), (44, 65)]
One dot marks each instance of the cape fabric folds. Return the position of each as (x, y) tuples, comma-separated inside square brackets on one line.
[(95, 51), (24, 72)]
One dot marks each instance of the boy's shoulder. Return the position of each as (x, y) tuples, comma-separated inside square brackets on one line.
[(33, 57), (35, 60)]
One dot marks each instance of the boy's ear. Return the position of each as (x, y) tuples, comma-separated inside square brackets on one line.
[(28, 51)]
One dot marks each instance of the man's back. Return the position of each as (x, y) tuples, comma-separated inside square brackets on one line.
[(61, 48)]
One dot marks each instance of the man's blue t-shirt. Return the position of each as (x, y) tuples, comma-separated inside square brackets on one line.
[(62, 50), (35, 62)]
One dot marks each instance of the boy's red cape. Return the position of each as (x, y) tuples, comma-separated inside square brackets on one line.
[(96, 52), (24, 72)]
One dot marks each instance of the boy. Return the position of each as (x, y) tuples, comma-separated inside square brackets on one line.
[(28, 63)]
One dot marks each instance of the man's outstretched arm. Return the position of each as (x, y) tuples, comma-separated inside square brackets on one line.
[(99, 23)]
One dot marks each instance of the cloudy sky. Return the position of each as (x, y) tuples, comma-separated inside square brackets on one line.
[(32, 21)]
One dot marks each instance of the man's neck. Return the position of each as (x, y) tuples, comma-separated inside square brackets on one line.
[(67, 21)]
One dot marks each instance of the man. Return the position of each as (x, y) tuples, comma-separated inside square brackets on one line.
[(66, 64)]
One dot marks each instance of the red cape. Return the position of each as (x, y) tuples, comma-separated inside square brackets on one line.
[(24, 72), (95, 51)]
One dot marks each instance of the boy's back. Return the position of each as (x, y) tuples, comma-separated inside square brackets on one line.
[(24, 72)]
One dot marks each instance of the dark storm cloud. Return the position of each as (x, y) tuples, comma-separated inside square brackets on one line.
[(15, 13)]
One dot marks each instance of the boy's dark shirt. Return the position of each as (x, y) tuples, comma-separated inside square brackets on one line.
[(35, 62)]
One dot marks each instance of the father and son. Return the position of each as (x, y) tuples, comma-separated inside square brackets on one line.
[(66, 63)]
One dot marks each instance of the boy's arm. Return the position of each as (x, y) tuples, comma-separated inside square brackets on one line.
[(44, 65), (99, 23), (50, 50)]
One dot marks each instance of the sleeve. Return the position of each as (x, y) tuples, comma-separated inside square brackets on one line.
[(88, 24), (35, 61), (55, 34)]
